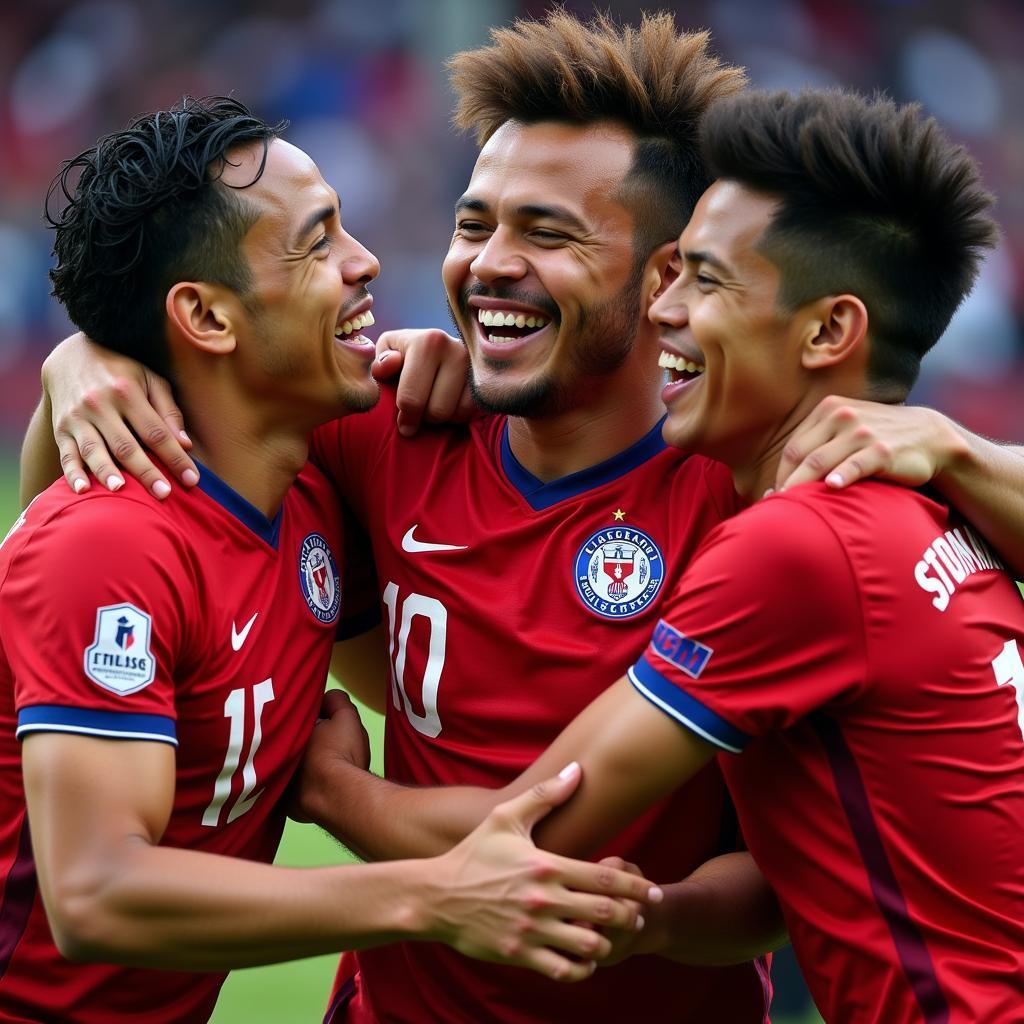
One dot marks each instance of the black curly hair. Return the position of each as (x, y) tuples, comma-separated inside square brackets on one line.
[(145, 208)]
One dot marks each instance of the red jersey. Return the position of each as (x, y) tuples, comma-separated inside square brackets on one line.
[(510, 604), (864, 649), (196, 622)]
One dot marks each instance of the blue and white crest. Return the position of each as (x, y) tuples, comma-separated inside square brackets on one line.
[(619, 571), (318, 574), (119, 658)]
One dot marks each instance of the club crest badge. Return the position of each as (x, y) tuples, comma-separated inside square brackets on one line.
[(619, 571), (318, 575), (119, 658)]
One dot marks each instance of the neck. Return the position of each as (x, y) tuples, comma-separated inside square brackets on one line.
[(258, 460), (619, 410)]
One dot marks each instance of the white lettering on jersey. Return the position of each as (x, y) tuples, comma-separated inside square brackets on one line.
[(949, 560)]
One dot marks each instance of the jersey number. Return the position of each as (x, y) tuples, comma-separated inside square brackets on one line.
[(234, 712), (399, 624), (1009, 670)]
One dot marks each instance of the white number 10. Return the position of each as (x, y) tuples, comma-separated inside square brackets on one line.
[(1009, 671)]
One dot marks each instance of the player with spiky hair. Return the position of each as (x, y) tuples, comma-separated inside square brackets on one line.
[(146, 737)]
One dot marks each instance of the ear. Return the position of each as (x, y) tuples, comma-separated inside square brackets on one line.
[(203, 315), (835, 331), (661, 270)]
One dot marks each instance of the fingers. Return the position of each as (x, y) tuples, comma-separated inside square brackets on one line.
[(521, 813), (433, 375), (839, 461), (333, 702), (604, 880), (81, 445), (555, 966)]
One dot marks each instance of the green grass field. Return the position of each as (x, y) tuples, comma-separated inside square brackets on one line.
[(291, 993)]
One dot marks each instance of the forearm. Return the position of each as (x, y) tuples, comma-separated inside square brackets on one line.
[(379, 820), (723, 913), (40, 458), (984, 481), (154, 906)]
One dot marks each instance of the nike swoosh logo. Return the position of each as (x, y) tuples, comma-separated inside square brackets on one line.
[(410, 543), (237, 639)]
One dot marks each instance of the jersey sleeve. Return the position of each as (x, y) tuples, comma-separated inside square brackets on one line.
[(93, 613), (764, 628)]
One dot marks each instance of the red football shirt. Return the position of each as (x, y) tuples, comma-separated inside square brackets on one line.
[(863, 649), (197, 622), (511, 603)]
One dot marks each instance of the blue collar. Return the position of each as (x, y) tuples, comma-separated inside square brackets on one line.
[(231, 501), (541, 495)]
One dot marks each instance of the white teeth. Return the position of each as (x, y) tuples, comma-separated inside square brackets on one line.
[(497, 318), (668, 361), (355, 324)]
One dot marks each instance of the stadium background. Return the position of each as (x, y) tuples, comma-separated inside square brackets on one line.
[(364, 88)]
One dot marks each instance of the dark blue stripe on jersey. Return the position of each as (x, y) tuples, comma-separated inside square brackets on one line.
[(356, 625), (342, 998), (116, 724), (249, 515), (910, 945), (543, 495), (19, 895), (686, 710)]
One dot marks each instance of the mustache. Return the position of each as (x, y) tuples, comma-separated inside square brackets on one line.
[(541, 302), (361, 296)]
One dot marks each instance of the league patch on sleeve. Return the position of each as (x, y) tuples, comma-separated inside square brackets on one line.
[(119, 658), (688, 655)]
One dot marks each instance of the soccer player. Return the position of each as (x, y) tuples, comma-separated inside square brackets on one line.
[(558, 520), (162, 664)]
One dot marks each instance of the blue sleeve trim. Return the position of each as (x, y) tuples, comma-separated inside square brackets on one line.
[(356, 625), (115, 725), (685, 709)]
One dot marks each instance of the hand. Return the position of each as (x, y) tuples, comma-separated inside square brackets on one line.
[(338, 735), (495, 896), (433, 386), (844, 440), (102, 403), (627, 942)]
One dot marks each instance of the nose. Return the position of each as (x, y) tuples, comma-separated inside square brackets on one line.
[(498, 259), (670, 309), (358, 265)]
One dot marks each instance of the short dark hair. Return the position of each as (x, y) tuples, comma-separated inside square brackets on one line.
[(651, 78), (147, 210), (874, 200)]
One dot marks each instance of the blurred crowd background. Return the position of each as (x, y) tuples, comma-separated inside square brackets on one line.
[(364, 87)]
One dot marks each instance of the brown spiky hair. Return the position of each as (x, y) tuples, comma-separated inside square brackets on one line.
[(651, 78)]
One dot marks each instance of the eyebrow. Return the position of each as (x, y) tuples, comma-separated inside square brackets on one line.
[(529, 210), (318, 217), (702, 256)]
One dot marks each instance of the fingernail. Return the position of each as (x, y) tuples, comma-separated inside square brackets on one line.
[(771, 490), (570, 769), (161, 489), (385, 355), (639, 922), (114, 483), (184, 437), (190, 477), (655, 894), (79, 485), (405, 431), (834, 480)]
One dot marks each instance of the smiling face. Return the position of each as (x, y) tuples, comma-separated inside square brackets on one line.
[(734, 358), (541, 275), (299, 338)]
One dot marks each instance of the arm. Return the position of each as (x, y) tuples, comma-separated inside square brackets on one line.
[(845, 440), (99, 807), (379, 819), (360, 665), (40, 458)]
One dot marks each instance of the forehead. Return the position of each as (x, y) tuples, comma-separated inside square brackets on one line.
[(577, 166), (728, 222), (289, 187)]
